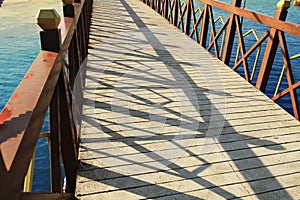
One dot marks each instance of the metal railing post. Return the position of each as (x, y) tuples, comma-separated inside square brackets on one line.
[(204, 26), (50, 37), (176, 8), (166, 8), (188, 17), (68, 8), (230, 34), (271, 47)]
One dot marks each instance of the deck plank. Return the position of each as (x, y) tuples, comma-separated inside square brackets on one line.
[(163, 119)]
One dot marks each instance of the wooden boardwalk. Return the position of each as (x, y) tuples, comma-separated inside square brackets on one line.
[(165, 120)]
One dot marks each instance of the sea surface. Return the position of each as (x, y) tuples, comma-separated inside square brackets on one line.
[(19, 45)]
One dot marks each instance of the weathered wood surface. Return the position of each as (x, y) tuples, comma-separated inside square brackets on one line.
[(165, 120)]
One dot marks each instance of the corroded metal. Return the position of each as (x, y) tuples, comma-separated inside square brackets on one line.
[(23, 116), (270, 53)]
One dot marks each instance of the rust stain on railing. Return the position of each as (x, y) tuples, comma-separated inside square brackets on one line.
[(23, 116)]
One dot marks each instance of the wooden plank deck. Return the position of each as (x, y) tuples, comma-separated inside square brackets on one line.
[(165, 120)]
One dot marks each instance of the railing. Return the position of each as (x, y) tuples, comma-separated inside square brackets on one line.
[(47, 86), (200, 24)]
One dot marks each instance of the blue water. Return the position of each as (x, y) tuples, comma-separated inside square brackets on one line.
[(19, 45), (267, 7)]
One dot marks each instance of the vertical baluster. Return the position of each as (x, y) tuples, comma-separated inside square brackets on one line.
[(152, 4), (204, 26), (76, 60), (158, 7), (68, 137), (68, 9), (90, 5), (176, 8), (29, 176), (166, 8), (84, 36), (289, 74), (230, 34), (72, 63), (56, 176), (79, 37), (76, 50), (188, 17), (271, 47), (86, 22)]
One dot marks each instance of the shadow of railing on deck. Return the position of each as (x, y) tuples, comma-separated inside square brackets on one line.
[(247, 162), (228, 41)]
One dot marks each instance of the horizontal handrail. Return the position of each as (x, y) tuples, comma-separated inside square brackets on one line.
[(23, 116), (284, 26)]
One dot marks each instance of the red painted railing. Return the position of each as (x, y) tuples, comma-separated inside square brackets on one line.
[(46, 86)]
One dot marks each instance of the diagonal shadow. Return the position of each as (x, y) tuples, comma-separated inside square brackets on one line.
[(151, 188), (162, 52), (153, 40), (180, 172)]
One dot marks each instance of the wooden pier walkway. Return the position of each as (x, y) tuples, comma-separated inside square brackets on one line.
[(163, 119)]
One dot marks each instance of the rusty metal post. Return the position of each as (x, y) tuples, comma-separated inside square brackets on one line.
[(54, 143), (166, 8), (68, 8), (176, 7), (158, 6), (271, 47), (188, 17), (48, 20), (68, 138), (230, 34), (204, 26)]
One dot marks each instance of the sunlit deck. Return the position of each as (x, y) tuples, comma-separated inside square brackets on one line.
[(163, 119)]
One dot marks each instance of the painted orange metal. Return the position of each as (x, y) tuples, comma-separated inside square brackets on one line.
[(270, 53), (287, 27), (23, 116), (23, 122), (289, 74), (248, 53), (204, 27), (231, 32)]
